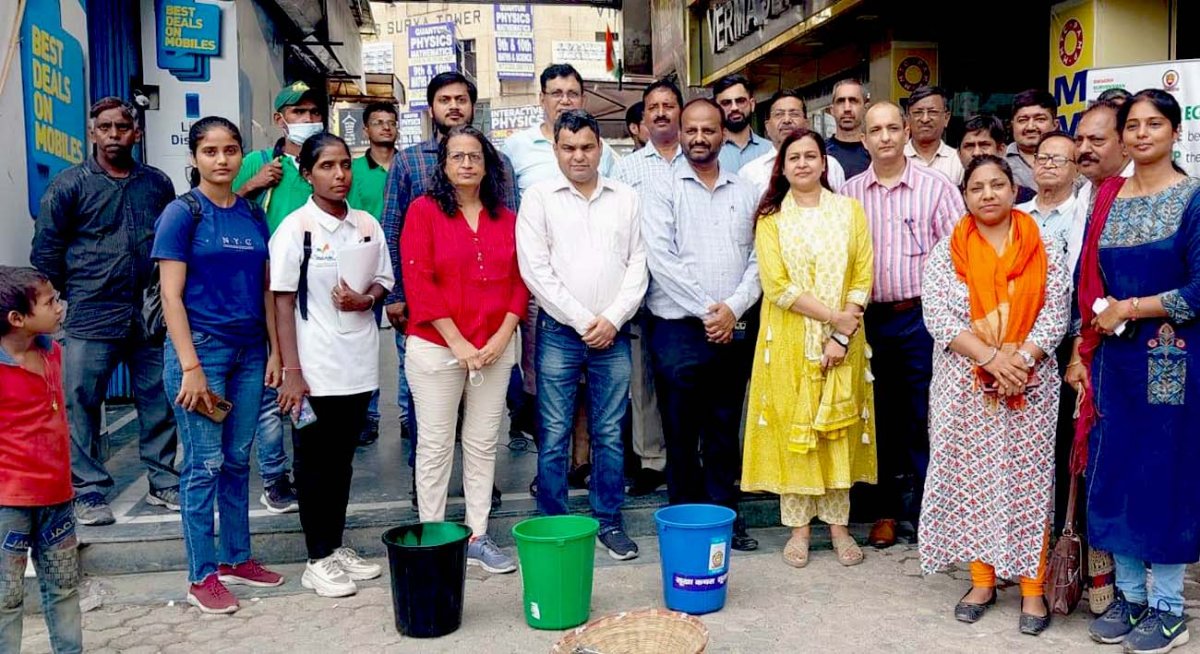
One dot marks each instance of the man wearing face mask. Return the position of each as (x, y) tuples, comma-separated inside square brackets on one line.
[(786, 113), (451, 98), (271, 179)]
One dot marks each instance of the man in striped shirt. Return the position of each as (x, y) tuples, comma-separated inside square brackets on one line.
[(910, 208)]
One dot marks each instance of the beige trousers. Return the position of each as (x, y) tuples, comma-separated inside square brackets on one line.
[(833, 508), (648, 441), (437, 389)]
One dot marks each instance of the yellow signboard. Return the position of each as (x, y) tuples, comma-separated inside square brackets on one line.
[(1072, 53), (913, 65)]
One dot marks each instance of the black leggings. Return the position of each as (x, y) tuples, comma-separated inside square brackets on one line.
[(324, 457)]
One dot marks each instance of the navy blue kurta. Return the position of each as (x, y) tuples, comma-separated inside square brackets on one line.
[(1143, 487)]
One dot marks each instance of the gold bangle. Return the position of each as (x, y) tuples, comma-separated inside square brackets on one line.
[(1076, 362), (1135, 302)]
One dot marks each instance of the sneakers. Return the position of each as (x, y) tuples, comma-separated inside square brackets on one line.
[(164, 497), (211, 596), (370, 433), (355, 566), (484, 553), (248, 573), (280, 497), (620, 546), (91, 509), (327, 578), (1158, 632), (1116, 623)]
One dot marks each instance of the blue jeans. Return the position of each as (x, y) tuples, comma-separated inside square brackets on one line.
[(1168, 583), (216, 457), (408, 413), (272, 458), (87, 366), (561, 357), (50, 532)]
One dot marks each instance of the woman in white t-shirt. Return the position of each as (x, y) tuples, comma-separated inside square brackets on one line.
[(329, 269)]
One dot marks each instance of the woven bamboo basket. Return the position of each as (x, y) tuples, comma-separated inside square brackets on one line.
[(647, 631)]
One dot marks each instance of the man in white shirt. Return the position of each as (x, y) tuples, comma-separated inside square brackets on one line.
[(928, 118), (662, 101), (580, 249), (1054, 170), (786, 113)]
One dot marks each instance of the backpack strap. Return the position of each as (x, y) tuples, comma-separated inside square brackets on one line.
[(194, 205)]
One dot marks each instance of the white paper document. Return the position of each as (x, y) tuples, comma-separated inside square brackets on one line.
[(356, 265)]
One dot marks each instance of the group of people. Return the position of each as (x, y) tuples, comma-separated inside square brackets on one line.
[(876, 309)]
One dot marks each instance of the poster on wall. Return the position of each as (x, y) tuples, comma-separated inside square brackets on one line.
[(411, 129), (913, 65), (378, 57), (586, 56), (514, 41), (432, 49), (1072, 53), (55, 95), (507, 121), (1179, 78), (188, 34)]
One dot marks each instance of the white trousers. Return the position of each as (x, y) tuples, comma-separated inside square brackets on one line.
[(437, 389)]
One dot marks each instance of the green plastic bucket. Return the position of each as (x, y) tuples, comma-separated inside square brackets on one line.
[(557, 554)]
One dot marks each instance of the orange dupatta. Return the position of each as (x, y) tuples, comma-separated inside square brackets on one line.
[(1006, 290)]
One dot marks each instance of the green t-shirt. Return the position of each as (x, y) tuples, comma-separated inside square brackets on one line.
[(367, 186), (289, 195)]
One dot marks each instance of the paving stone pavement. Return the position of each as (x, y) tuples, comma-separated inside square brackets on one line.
[(883, 604)]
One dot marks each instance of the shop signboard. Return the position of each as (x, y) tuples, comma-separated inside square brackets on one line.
[(913, 65), (411, 130), (188, 35), (348, 122), (1179, 78), (55, 95), (732, 29), (1072, 53), (507, 121), (514, 41), (586, 56), (432, 49)]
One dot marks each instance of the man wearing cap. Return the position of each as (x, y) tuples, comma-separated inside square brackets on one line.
[(271, 179)]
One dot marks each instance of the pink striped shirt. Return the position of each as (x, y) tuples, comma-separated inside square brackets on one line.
[(906, 221)]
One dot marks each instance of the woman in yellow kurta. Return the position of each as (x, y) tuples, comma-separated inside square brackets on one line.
[(810, 430)]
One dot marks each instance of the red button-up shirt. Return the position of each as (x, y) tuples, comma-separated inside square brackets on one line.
[(453, 272), (35, 467)]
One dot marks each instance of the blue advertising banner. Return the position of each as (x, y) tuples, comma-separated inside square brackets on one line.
[(55, 97), (514, 41), (188, 33), (432, 49)]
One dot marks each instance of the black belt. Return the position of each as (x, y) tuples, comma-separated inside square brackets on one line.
[(897, 307)]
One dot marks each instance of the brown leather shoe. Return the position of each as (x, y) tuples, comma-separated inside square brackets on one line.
[(883, 534)]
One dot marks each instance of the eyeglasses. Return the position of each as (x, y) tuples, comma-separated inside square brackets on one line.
[(729, 102), (1057, 159), (382, 123), (794, 114), (922, 114), (457, 158), (118, 128), (570, 95)]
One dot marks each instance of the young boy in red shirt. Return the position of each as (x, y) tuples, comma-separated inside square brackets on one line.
[(36, 513)]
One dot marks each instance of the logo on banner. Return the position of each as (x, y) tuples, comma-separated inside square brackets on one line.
[(189, 34), (1072, 32), (1170, 80), (913, 73)]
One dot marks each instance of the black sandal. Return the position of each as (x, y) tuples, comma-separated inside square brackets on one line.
[(971, 613), (1034, 625)]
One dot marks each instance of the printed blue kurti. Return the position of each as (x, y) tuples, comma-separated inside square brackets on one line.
[(1143, 489)]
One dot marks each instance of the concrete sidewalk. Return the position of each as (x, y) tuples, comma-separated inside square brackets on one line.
[(882, 605)]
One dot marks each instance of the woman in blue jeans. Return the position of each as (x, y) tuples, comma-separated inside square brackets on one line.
[(211, 248)]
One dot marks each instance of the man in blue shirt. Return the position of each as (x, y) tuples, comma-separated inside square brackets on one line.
[(704, 287), (92, 240), (742, 145)]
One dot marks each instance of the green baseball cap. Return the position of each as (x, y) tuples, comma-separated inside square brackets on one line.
[(293, 94)]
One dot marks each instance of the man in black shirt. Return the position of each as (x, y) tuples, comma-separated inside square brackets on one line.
[(849, 107), (92, 239)]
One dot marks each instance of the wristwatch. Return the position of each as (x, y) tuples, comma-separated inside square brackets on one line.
[(840, 339), (1027, 358)]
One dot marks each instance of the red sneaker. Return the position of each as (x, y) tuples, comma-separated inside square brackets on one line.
[(211, 596), (249, 573)]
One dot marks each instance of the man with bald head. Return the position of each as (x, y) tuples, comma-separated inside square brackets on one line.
[(910, 208), (698, 225)]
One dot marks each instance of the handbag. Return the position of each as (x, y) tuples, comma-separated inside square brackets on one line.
[(1064, 571)]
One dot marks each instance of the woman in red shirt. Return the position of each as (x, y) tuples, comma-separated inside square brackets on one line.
[(465, 298)]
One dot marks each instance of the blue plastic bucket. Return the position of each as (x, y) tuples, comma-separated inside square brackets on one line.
[(694, 542)]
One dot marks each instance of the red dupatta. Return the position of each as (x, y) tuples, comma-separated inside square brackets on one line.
[(1091, 287)]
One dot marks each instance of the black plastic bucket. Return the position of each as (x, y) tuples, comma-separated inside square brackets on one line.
[(428, 564)]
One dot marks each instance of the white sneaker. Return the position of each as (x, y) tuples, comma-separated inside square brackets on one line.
[(327, 578), (357, 568)]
